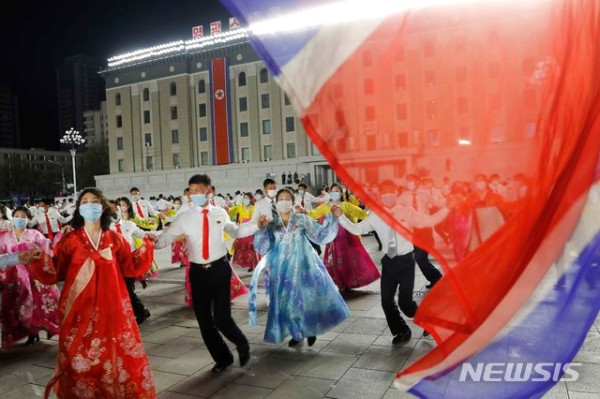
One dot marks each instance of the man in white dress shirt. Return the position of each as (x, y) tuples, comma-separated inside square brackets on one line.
[(266, 206), (398, 263), (305, 199), (48, 218), (203, 226), (141, 207)]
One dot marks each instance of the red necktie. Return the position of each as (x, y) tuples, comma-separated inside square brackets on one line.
[(205, 237), (49, 227), (302, 202), (118, 226), (415, 201), (139, 209)]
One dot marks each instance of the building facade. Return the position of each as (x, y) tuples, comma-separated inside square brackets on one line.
[(80, 88), (95, 126), (9, 117), (212, 109)]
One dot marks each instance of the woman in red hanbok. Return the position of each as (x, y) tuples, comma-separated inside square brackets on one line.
[(28, 307), (100, 351), (244, 254)]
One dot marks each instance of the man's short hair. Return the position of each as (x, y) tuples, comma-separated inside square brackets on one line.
[(133, 189), (200, 179), (268, 181), (302, 185)]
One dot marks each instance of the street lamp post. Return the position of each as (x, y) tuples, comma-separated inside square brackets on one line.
[(74, 139), (62, 172)]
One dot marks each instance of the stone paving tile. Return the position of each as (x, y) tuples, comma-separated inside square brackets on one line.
[(367, 326), (558, 391), (582, 395), (163, 380), (330, 366), (394, 393), (205, 383), (25, 391), (29, 374), (166, 334), (344, 324), (297, 387), (351, 343), (588, 380), (175, 395), (177, 347), (361, 383), (384, 358), (269, 373), (301, 352), (186, 364), (237, 391)]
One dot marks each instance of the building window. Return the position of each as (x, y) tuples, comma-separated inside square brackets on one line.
[(430, 109), (429, 78), (371, 142), (118, 99), (148, 139), (243, 104), (242, 79), (290, 124), (121, 163), (149, 163), (370, 113), (173, 113), (173, 89), (245, 154), (201, 86), (264, 75), (204, 158), (400, 81), (203, 134), (264, 101), (462, 105), (266, 126), (401, 112), (367, 59), (175, 159), (119, 143), (244, 129), (461, 74), (268, 152), (146, 116), (119, 121), (428, 49), (368, 86), (432, 137), (175, 136), (146, 95), (201, 110), (291, 150), (286, 99)]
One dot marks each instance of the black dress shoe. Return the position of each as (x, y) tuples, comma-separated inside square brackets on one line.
[(402, 338), (244, 357), (32, 339), (220, 367), (426, 333), (293, 343), (311, 341)]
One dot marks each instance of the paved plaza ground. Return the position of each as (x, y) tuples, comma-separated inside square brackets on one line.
[(355, 360)]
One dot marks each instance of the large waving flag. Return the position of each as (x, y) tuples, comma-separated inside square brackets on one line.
[(499, 101)]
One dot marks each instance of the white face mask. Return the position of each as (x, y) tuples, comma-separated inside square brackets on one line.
[(284, 206), (176, 206), (411, 186), (271, 193)]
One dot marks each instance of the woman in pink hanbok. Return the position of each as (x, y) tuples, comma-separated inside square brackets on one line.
[(28, 306)]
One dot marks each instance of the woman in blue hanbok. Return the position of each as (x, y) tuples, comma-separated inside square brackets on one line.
[(303, 299)]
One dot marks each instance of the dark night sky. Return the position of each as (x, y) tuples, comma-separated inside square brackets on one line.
[(38, 35)]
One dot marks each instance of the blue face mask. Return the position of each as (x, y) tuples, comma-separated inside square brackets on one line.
[(198, 199), (246, 201), (258, 197), (334, 195), (19, 223), (90, 212)]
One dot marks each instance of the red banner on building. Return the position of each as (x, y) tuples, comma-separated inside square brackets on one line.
[(222, 141)]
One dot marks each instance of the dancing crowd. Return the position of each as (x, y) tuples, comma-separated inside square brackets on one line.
[(70, 268)]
